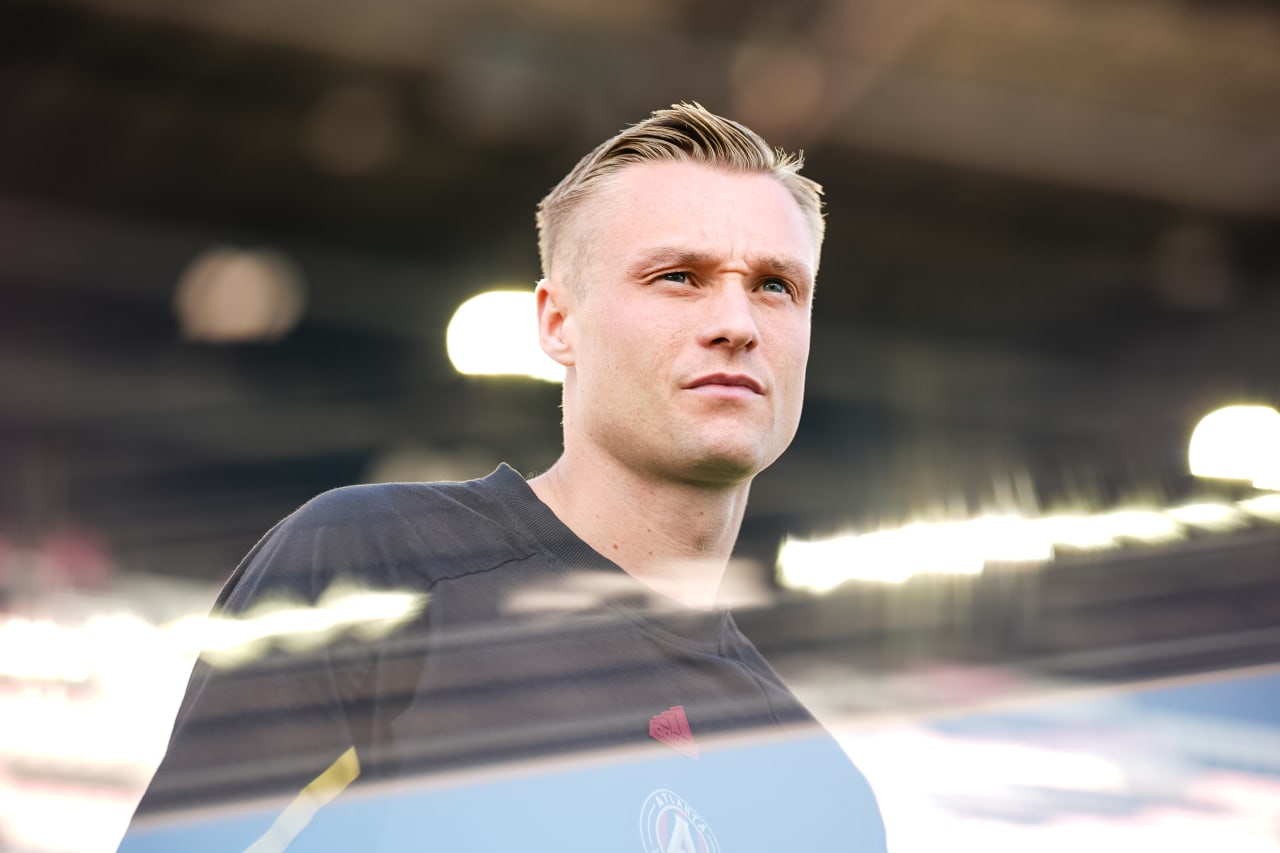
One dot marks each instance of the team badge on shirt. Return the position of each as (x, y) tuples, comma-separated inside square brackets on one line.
[(668, 824), (672, 728)]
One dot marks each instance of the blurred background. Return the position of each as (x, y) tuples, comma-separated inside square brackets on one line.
[(233, 236)]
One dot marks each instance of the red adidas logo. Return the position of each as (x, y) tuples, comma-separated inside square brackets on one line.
[(672, 728)]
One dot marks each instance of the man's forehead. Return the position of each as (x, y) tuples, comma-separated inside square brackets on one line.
[(648, 196)]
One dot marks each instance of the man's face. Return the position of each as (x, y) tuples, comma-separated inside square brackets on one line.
[(688, 342)]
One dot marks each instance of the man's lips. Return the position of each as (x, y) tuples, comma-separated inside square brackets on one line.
[(727, 380)]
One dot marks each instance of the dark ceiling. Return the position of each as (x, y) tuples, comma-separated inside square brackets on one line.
[(1053, 242)]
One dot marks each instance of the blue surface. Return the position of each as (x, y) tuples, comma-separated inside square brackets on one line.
[(795, 794)]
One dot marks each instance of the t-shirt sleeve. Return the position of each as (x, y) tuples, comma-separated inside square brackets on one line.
[(278, 698)]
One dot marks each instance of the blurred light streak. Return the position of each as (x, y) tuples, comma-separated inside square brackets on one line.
[(234, 641), (94, 701), (41, 650), (1238, 443), (1148, 525), (492, 335), (1209, 516), (1009, 539), (231, 295), (1074, 531), (889, 556), (1265, 507), (965, 547), (115, 646)]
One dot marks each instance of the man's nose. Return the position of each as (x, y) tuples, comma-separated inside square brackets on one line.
[(730, 320)]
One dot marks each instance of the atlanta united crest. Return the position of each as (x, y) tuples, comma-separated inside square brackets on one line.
[(668, 824)]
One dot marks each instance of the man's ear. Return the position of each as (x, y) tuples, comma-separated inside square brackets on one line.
[(555, 323)]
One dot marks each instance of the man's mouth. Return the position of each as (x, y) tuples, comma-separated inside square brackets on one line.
[(726, 381)]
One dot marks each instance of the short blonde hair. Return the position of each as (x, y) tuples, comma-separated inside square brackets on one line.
[(686, 133)]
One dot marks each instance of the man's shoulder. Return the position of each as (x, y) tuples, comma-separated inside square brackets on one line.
[(438, 529), (359, 505)]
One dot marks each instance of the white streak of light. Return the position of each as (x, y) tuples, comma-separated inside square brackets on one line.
[(1209, 516), (1266, 506), (965, 547)]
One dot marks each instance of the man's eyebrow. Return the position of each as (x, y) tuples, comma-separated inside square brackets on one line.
[(667, 256), (786, 267)]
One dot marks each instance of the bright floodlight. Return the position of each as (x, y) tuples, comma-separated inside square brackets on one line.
[(495, 334), (1238, 443)]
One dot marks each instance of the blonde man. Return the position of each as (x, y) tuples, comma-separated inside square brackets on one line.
[(570, 618)]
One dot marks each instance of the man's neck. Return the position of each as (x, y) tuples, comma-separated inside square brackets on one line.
[(675, 538)]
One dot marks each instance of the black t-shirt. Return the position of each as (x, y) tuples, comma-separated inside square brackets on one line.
[(503, 686)]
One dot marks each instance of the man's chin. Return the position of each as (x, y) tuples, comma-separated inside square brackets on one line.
[(727, 468)]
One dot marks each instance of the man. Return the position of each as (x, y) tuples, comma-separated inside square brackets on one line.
[(571, 615)]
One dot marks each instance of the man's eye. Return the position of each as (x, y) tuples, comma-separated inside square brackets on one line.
[(775, 285), (679, 277)]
